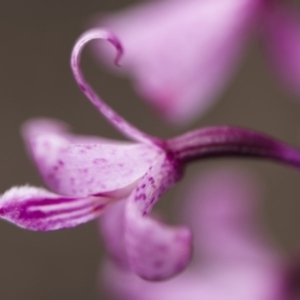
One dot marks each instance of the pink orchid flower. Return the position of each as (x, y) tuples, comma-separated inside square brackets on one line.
[(233, 259), (89, 174), (181, 54)]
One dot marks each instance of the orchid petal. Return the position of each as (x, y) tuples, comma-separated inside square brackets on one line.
[(182, 53), (234, 283), (113, 117), (40, 210), (220, 208), (282, 40), (155, 251), (74, 167), (247, 275), (125, 285), (111, 225)]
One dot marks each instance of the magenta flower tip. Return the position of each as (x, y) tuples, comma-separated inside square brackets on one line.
[(119, 48)]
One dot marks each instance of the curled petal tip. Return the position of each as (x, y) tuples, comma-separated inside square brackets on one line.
[(120, 51), (98, 33), (113, 117)]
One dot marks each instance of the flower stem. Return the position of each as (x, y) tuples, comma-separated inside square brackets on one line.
[(226, 141)]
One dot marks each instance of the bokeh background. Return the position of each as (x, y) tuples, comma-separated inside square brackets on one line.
[(35, 80)]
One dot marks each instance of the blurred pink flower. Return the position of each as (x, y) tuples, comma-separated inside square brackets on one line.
[(233, 258), (181, 54), (282, 41), (89, 174)]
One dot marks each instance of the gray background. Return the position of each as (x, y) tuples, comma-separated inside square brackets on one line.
[(35, 80)]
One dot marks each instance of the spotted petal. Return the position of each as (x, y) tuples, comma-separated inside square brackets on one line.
[(155, 251), (38, 209), (282, 32), (181, 53), (231, 271), (78, 166), (151, 249)]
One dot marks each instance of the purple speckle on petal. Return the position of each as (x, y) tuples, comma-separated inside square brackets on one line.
[(141, 196), (61, 163), (162, 248), (158, 264), (116, 119), (82, 87), (99, 160)]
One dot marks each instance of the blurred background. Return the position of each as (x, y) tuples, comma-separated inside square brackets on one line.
[(36, 40)]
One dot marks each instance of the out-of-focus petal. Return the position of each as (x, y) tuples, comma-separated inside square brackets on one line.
[(282, 41), (234, 283), (155, 251), (85, 166), (38, 209), (233, 275), (112, 227), (182, 53), (222, 212), (124, 284)]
